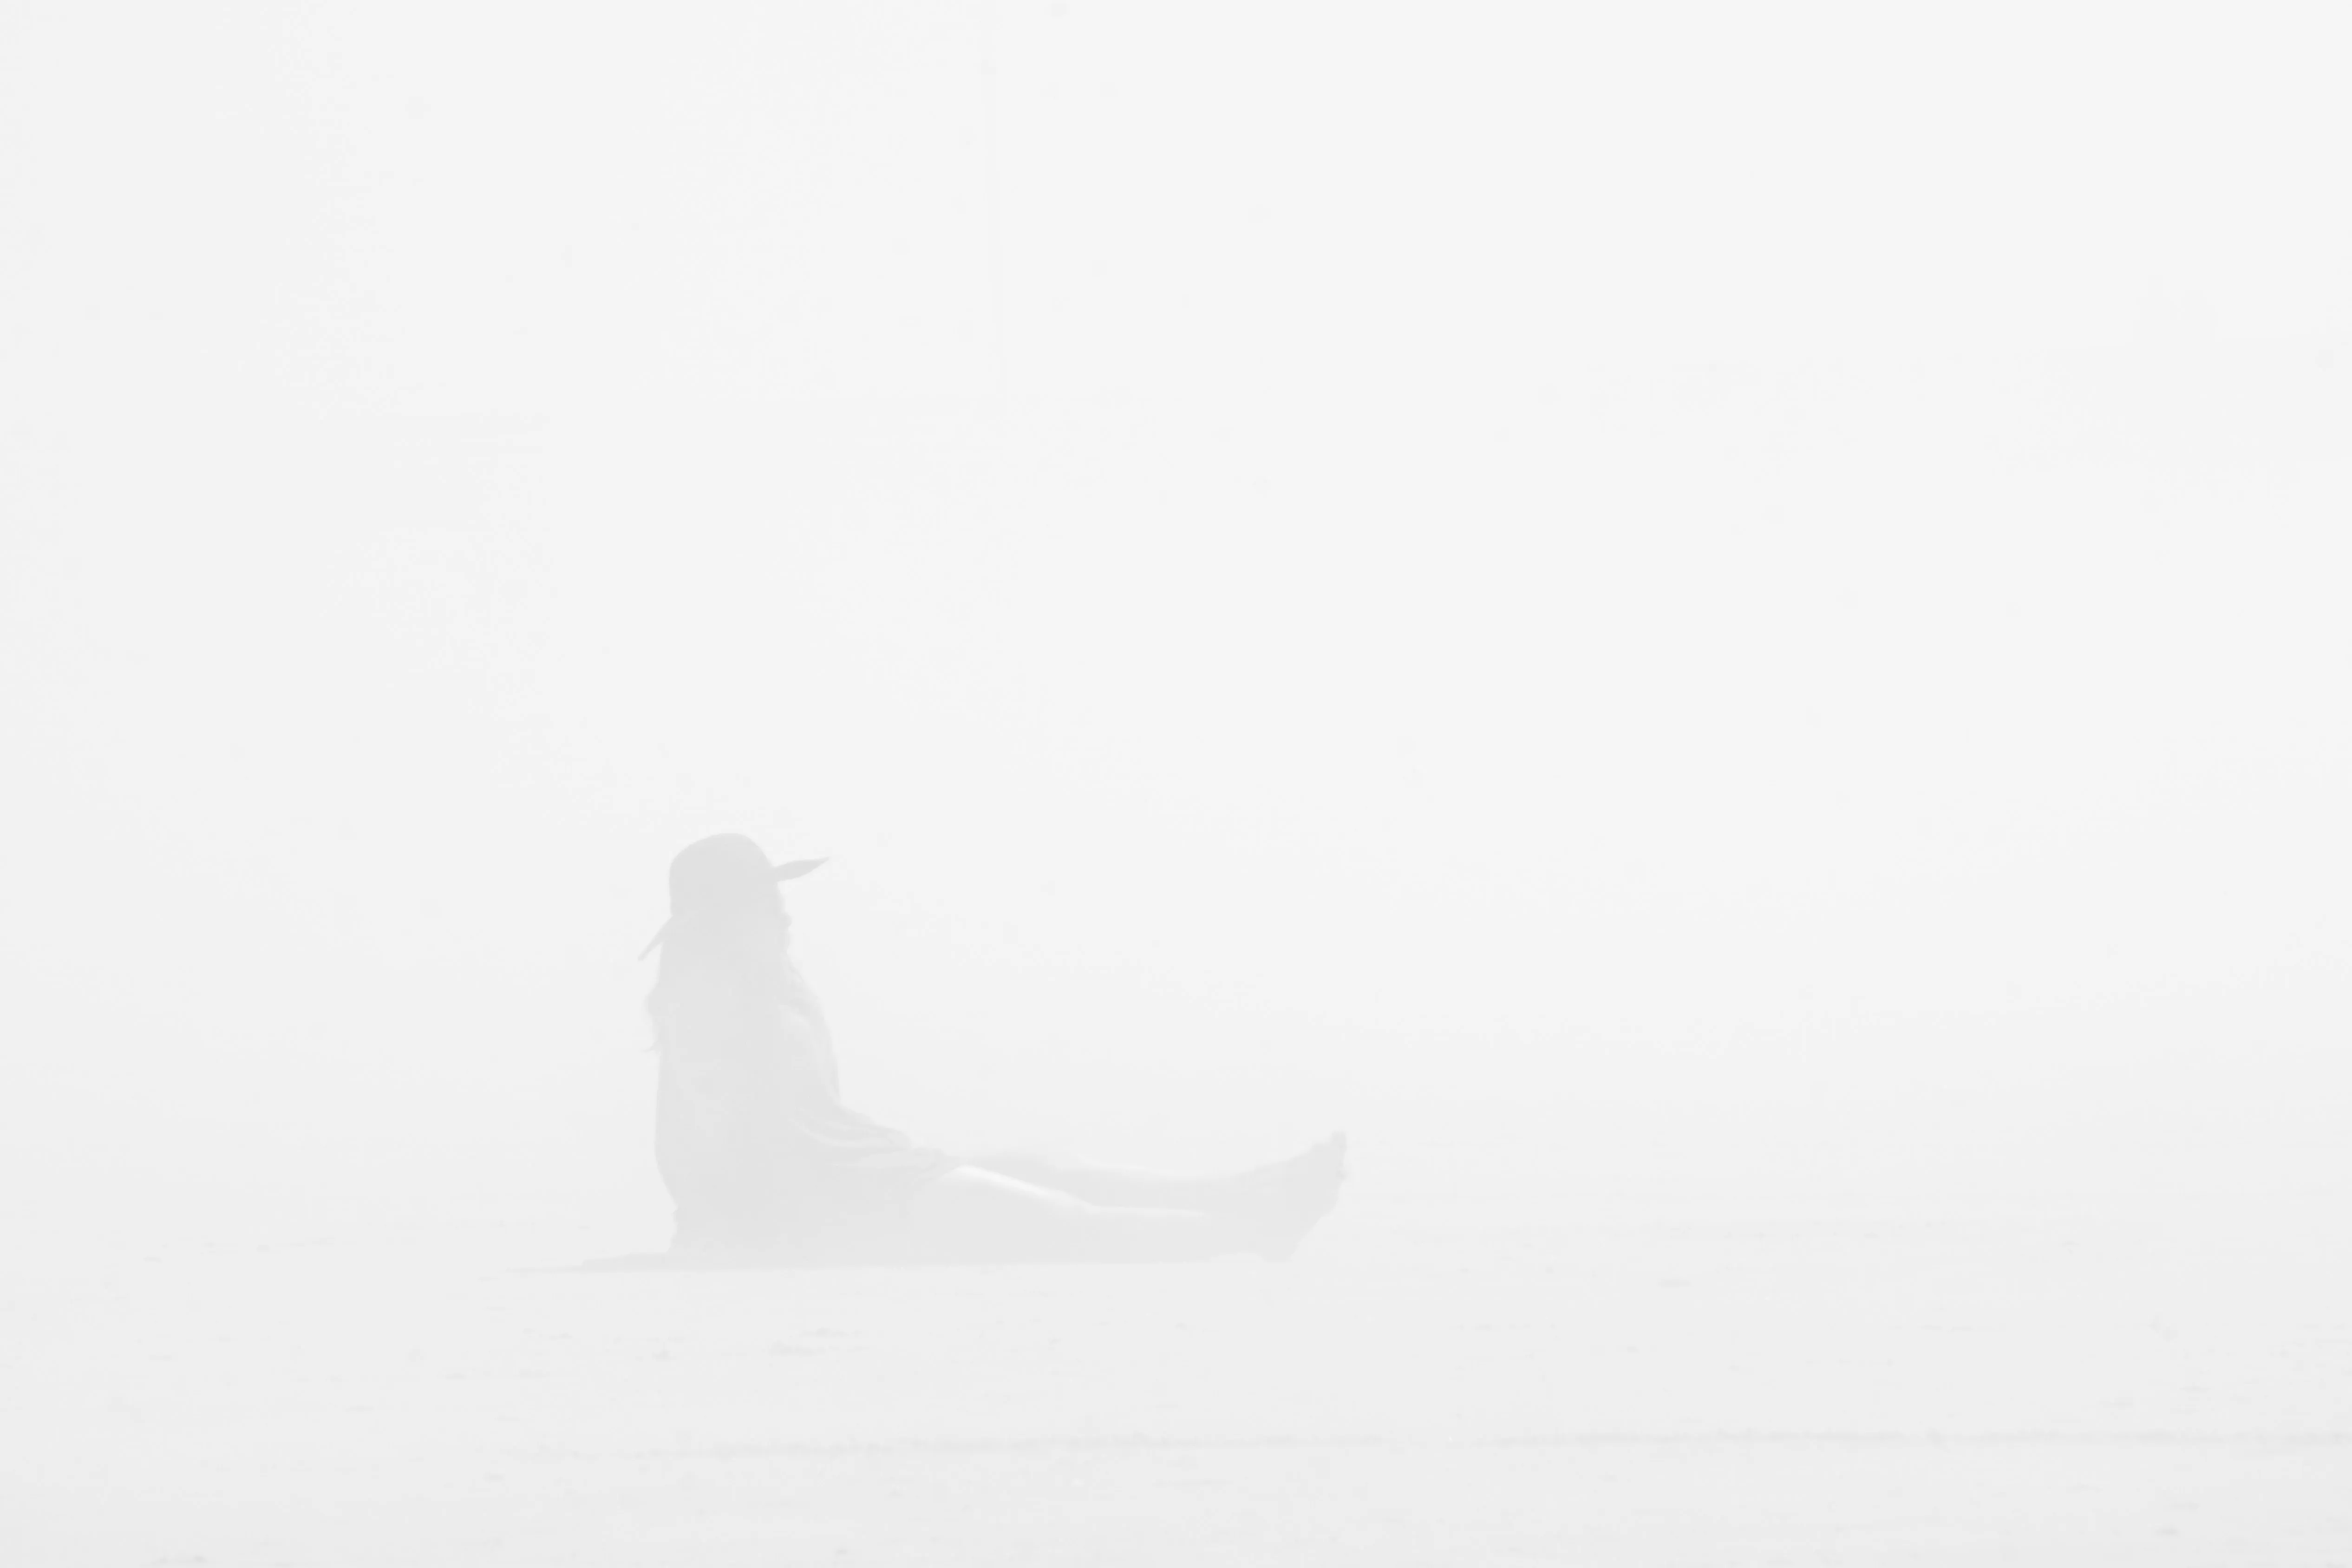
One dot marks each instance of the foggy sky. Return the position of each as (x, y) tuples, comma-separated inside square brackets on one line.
[(1540, 562)]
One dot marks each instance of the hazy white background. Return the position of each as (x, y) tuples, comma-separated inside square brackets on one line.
[(1711, 602)]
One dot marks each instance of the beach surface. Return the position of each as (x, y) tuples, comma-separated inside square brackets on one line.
[(1433, 1380)]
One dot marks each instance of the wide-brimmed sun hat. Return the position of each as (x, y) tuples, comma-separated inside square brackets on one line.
[(723, 874)]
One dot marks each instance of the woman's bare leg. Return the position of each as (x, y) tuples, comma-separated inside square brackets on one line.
[(1111, 1186), (975, 1216), (1123, 1186)]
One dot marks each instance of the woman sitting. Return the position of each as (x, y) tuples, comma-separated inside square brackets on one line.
[(763, 1160)]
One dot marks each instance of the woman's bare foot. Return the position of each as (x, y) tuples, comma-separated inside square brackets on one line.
[(1301, 1191)]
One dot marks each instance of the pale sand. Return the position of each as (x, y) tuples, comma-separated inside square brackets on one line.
[(1418, 1387)]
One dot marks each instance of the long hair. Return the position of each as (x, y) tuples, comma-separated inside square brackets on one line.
[(742, 946)]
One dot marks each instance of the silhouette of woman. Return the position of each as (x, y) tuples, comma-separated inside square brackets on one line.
[(763, 1158)]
